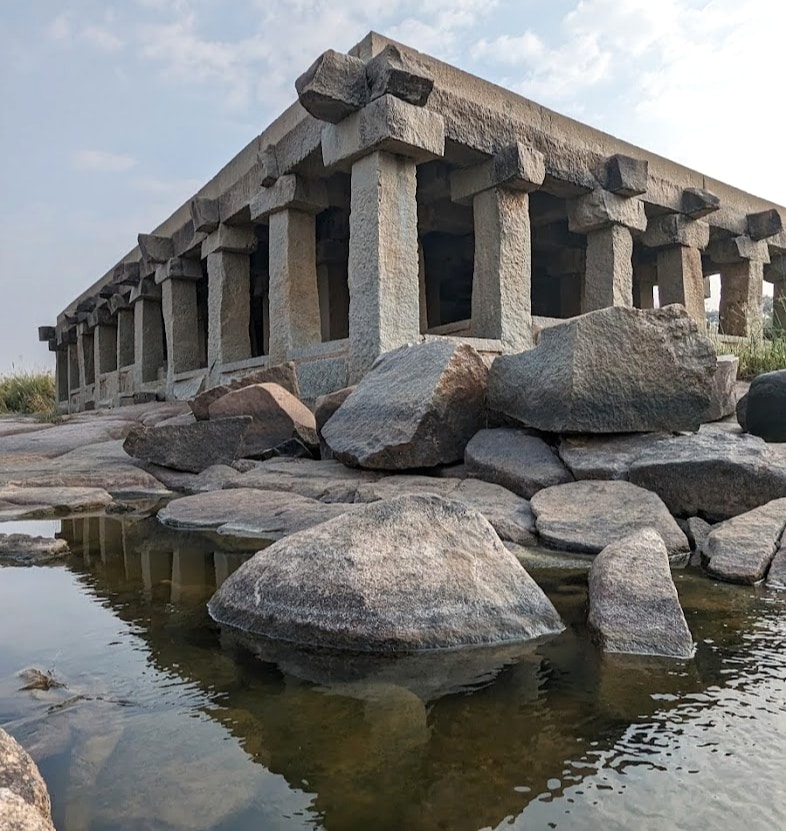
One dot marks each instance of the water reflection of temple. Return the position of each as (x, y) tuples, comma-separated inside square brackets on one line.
[(373, 751)]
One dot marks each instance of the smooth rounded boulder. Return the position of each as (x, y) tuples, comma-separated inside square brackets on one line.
[(396, 576), (615, 370), (24, 799), (417, 407), (765, 414), (633, 603)]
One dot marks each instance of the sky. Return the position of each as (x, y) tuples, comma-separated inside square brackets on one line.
[(115, 113)]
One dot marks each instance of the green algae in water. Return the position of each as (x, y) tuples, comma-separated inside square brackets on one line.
[(165, 722)]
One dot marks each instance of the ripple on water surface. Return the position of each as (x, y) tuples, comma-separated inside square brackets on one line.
[(165, 722)]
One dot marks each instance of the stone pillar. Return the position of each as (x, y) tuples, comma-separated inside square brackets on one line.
[(384, 141), (679, 241), (228, 250), (105, 347), (177, 278), (61, 373), (779, 306), (290, 207), (148, 331), (501, 282), (74, 375), (741, 261), (85, 346), (125, 337), (607, 219)]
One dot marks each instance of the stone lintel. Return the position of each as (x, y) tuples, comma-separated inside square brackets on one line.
[(100, 317), (698, 203), (86, 305), (155, 249), (333, 87), (126, 274), (237, 239), (105, 292), (393, 72), (601, 208), (676, 229), (118, 302), (737, 249), (290, 192), (179, 268), (268, 166), (627, 176), (146, 290), (764, 224), (204, 214), (516, 166), (385, 124), (46, 333)]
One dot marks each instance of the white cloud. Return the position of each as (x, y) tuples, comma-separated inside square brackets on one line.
[(60, 29), (101, 38), (509, 49), (102, 161)]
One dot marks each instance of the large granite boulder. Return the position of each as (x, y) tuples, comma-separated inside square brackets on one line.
[(189, 447), (24, 799), (514, 459), (714, 474), (741, 549), (605, 457), (400, 575), (587, 516), (277, 416), (616, 370), (766, 410), (38, 502), (417, 407), (633, 603)]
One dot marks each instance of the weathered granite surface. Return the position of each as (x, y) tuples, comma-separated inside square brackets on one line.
[(24, 799), (765, 415), (26, 550)]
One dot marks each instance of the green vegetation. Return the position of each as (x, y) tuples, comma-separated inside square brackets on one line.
[(756, 355), (28, 392)]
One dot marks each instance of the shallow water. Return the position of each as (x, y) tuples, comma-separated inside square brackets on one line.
[(166, 723)]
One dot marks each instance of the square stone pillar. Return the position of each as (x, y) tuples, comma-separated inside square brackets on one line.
[(148, 332), (86, 346), (741, 262), (384, 285), (177, 279), (125, 337), (607, 219), (502, 275), (779, 306), (61, 373), (290, 207), (228, 251), (74, 375), (741, 298)]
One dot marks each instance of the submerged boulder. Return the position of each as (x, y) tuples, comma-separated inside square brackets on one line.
[(615, 370), (400, 575), (589, 515), (741, 549), (633, 603), (417, 407), (766, 408), (277, 416), (189, 447)]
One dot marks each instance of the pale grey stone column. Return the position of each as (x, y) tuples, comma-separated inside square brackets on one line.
[(177, 278), (607, 219), (74, 375), (679, 241), (741, 262), (779, 306), (384, 141), (502, 276), (290, 207), (86, 344), (125, 337), (148, 331), (61, 373), (228, 250)]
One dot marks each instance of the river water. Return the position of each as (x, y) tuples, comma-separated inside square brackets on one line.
[(165, 722)]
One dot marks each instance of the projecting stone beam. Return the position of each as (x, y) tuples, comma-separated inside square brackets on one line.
[(268, 165), (204, 214), (385, 124), (105, 292), (601, 208), (86, 305), (146, 290), (626, 176), (393, 72), (101, 316), (117, 303), (764, 224), (333, 87), (236, 239), (290, 192), (155, 249), (737, 249), (517, 167), (179, 268), (698, 203), (46, 333), (66, 337), (126, 274), (675, 229)]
